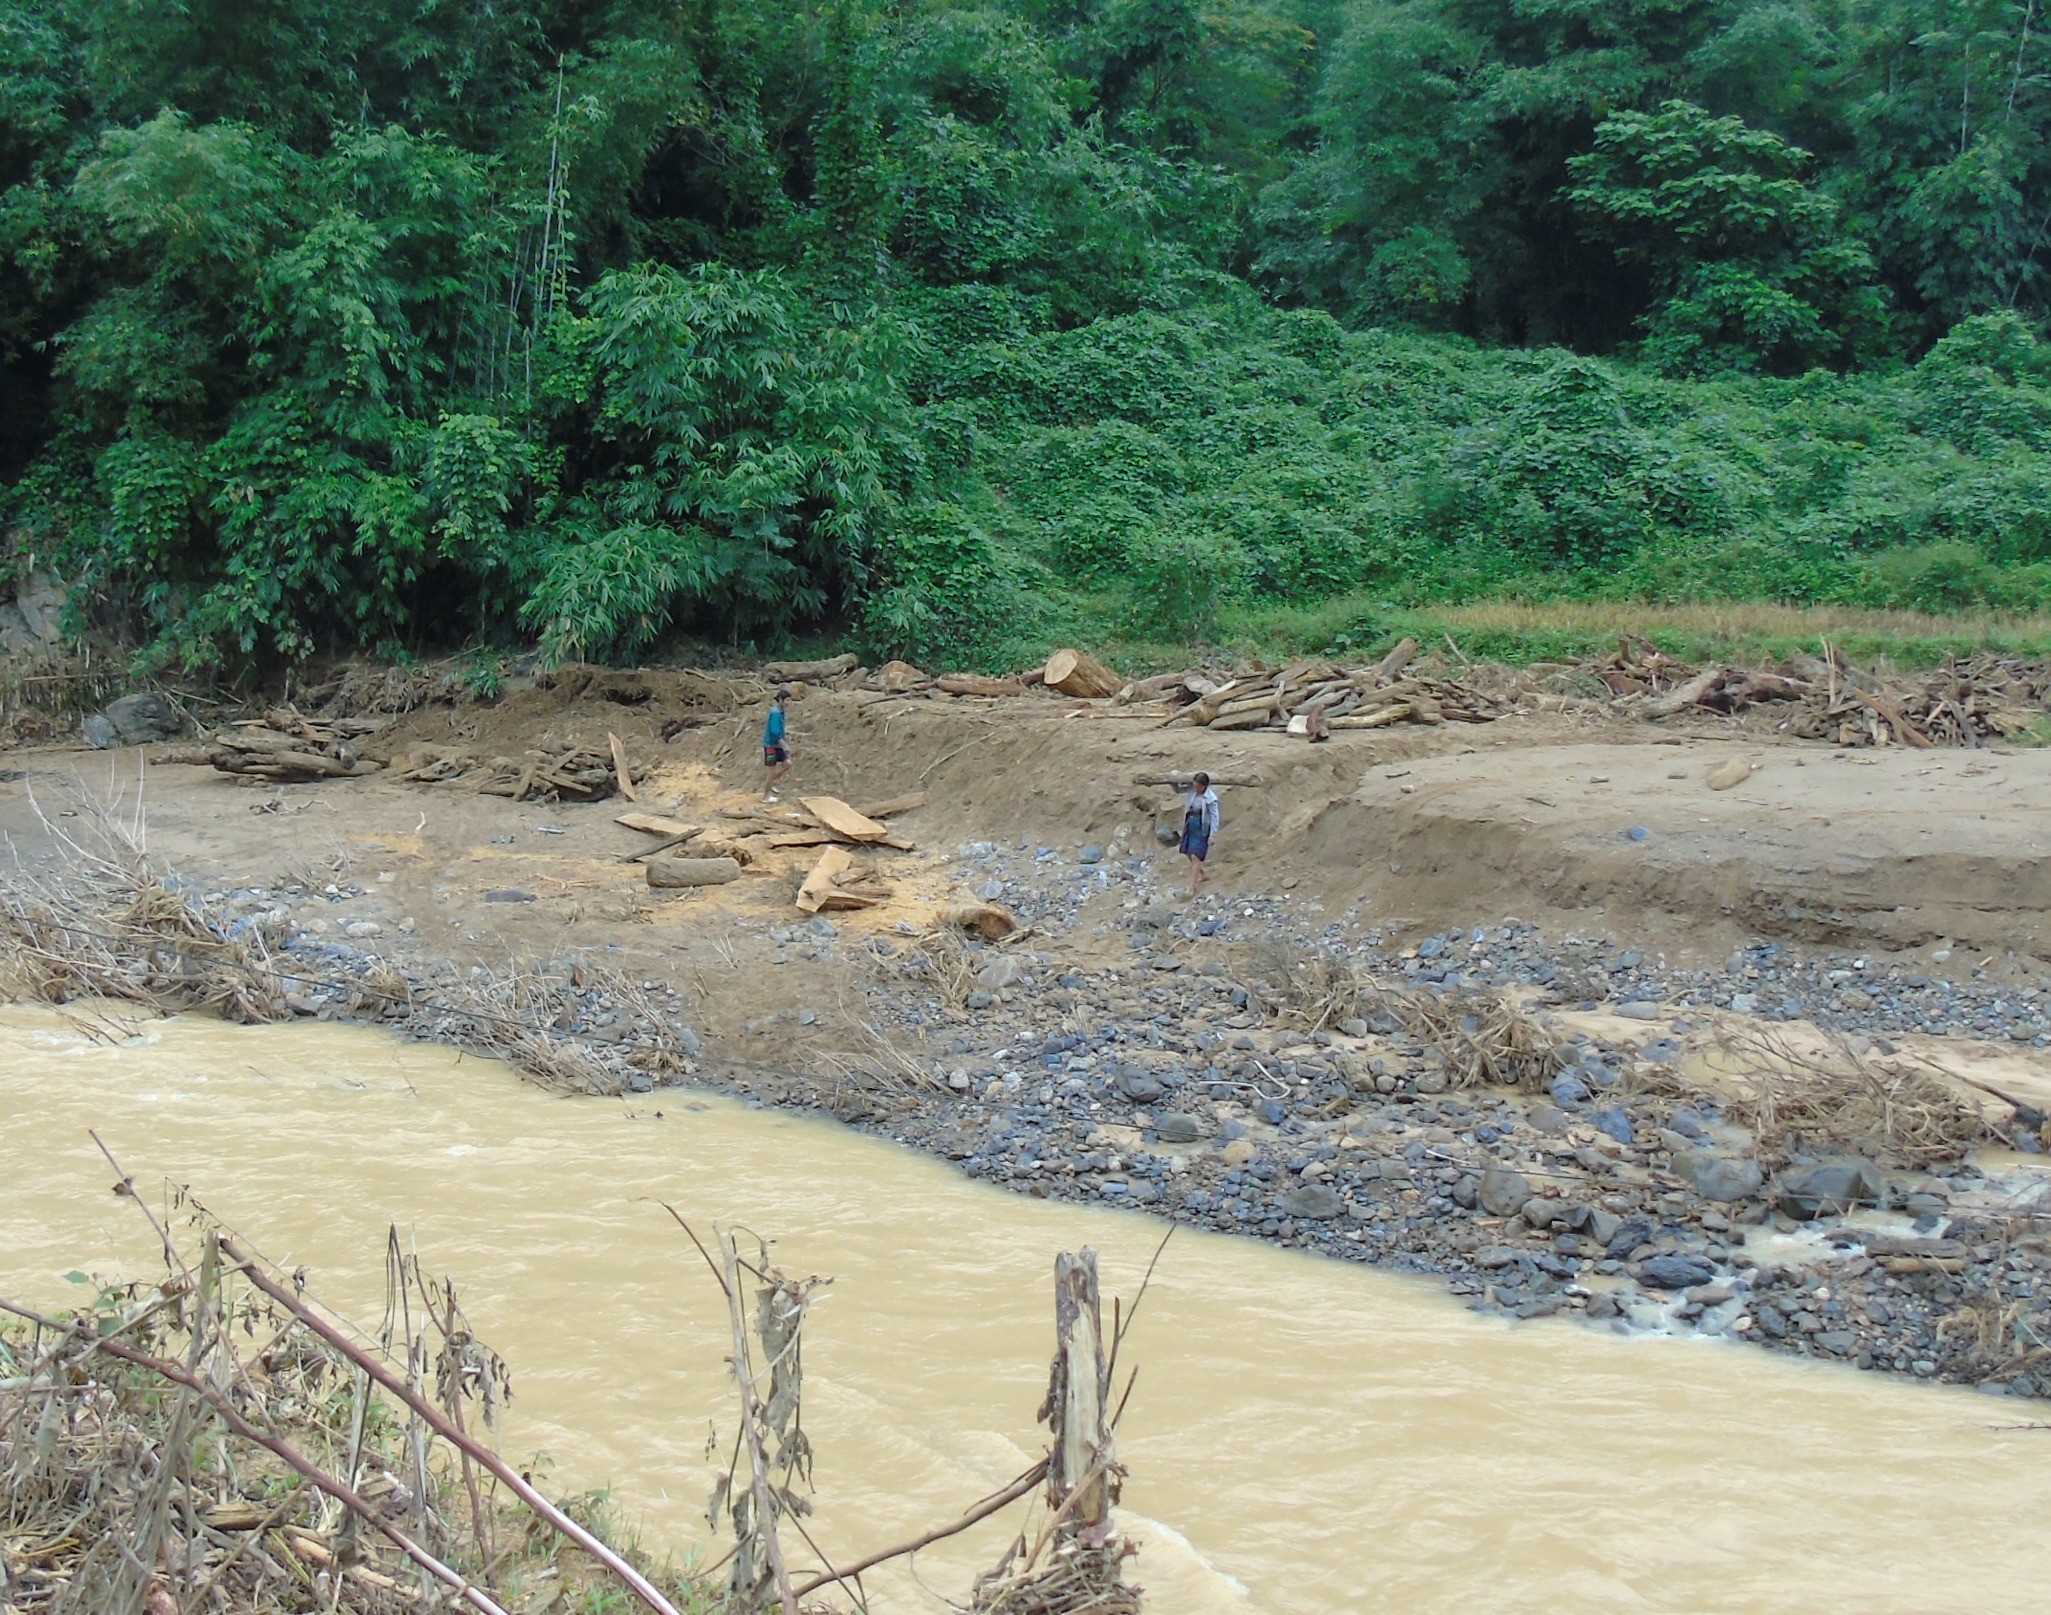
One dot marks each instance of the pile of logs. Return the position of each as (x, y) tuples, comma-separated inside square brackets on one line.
[(1293, 697), (287, 748), (572, 774)]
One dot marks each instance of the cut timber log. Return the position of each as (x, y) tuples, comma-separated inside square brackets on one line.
[(833, 863), (1372, 720), (843, 820), (1182, 782), (976, 684), (1073, 673), (809, 672), (679, 872), (1392, 665)]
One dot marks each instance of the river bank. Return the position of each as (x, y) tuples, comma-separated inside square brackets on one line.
[(1137, 1049)]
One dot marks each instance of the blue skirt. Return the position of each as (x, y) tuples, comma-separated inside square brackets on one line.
[(1196, 838)]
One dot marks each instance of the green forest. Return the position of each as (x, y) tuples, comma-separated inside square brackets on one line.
[(946, 329)]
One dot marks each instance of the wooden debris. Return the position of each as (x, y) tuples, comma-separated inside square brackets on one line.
[(977, 684), (833, 863), (993, 922), (898, 678), (622, 776), (285, 747), (843, 820), (891, 806), (671, 873), (1074, 673), (576, 774), (655, 824), (810, 672)]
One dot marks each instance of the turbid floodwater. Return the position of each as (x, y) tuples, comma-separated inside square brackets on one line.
[(1304, 1436)]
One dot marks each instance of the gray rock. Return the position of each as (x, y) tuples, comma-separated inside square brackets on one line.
[(1092, 854), (1316, 1202), (508, 894), (1675, 1272), (1503, 1192), (980, 999), (1831, 1188), (1640, 1010), (143, 716), (99, 731), (1355, 1028), (1602, 1225), (363, 928), (1614, 1121), (1139, 1086), (1718, 1177), (1175, 1127), (1165, 836), (1838, 1342), (1001, 972), (1433, 1082)]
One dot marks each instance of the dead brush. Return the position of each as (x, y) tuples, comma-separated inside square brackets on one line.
[(1896, 1110), (215, 1440), (98, 921), (1315, 988), (945, 957), (1480, 1039)]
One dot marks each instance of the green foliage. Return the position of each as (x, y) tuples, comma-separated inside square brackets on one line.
[(943, 327)]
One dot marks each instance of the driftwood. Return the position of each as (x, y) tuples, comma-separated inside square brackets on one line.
[(576, 774)]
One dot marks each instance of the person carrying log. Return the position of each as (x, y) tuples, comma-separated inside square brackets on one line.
[(775, 744), (1200, 821)]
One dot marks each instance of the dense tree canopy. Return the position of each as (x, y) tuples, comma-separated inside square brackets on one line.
[(378, 323)]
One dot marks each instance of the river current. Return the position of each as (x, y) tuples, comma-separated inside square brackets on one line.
[(1305, 1436)]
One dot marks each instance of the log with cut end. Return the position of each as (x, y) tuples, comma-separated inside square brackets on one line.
[(843, 820), (833, 863), (1372, 720), (1074, 673), (671, 873), (809, 672), (1392, 665)]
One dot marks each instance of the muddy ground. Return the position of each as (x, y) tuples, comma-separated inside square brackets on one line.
[(1131, 1045)]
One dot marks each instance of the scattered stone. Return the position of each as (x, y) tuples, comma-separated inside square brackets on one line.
[(1675, 1272), (1718, 1177), (1831, 1188), (1141, 1087), (1092, 854), (508, 894), (1640, 1009), (1316, 1202), (143, 716), (1176, 1127), (1503, 1192)]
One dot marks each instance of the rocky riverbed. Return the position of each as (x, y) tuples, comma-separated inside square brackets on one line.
[(1129, 1049)]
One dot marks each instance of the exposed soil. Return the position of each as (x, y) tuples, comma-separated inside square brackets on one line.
[(1576, 858)]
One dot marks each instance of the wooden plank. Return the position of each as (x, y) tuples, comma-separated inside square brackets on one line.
[(891, 806), (833, 863), (655, 824), (843, 820), (799, 838), (622, 774)]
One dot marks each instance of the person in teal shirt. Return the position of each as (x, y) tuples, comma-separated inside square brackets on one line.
[(775, 745)]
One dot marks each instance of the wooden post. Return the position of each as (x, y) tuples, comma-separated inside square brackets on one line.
[(1079, 1475)]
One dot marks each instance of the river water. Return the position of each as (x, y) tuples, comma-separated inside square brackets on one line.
[(1305, 1436)]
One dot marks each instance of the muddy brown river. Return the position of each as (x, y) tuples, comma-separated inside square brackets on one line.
[(1305, 1436)]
